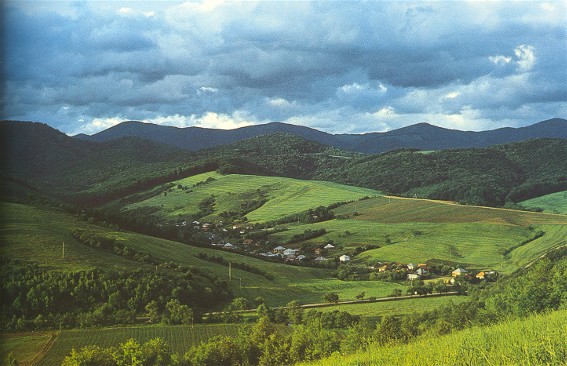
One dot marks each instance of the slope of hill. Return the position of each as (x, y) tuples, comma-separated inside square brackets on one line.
[(553, 203), (421, 136), (490, 176), (258, 198), (538, 340), (89, 173), (43, 159)]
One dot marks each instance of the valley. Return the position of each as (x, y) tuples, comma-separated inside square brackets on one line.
[(120, 242)]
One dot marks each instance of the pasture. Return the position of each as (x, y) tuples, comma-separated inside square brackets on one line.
[(36, 235), (552, 203), (282, 196), (416, 230), (375, 310)]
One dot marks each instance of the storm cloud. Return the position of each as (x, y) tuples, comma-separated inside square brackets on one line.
[(337, 66)]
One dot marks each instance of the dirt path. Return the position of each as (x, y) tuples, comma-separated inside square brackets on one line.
[(44, 350)]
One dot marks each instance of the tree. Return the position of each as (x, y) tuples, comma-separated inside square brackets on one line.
[(152, 310), (175, 313), (360, 296), (331, 297)]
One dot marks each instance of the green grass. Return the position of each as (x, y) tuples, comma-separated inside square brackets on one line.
[(25, 347), (538, 340), (396, 307), (284, 196), (36, 235), (179, 338), (553, 203), (415, 230)]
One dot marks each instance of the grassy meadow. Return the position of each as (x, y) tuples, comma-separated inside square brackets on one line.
[(284, 196), (537, 340), (417, 230), (32, 234), (553, 203)]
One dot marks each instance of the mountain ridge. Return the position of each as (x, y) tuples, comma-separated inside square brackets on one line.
[(423, 136)]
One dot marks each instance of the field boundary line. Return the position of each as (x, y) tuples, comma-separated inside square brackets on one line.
[(45, 350)]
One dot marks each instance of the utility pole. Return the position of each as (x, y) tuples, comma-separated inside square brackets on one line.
[(230, 271), (63, 255)]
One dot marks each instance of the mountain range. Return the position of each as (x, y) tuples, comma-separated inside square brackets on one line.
[(421, 136), (37, 158)]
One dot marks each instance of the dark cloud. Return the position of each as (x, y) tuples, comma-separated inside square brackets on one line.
[(340, 66)]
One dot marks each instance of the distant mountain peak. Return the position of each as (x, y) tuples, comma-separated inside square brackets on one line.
[(422, 135)]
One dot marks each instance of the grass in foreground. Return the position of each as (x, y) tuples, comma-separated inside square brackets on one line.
[(538, 340)]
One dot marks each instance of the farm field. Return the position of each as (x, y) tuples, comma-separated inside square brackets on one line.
[(179, 338), (26, 347), (283, 196), (32, 234), (415, 230), (396, 307), (552, 203), (537, 340)]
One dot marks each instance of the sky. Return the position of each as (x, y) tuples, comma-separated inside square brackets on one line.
[(337, 66)]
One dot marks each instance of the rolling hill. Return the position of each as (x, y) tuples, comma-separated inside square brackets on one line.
[(44, 160), (421, 136)]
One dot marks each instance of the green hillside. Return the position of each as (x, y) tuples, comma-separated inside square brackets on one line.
[(415, 230), (259, 198), (538, 340), (552, 203), (36, 235)]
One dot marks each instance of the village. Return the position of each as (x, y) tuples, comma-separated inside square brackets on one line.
[(249, 240)]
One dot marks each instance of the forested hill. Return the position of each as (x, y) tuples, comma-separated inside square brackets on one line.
[(49, 162), (490, 176), (421, 136), (37, 156)]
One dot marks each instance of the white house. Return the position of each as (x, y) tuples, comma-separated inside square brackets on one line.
[(289, 252), (279, 249), (329, 246), (411, 266), (344, 258), (421, 272), (413, 276), (320, 259)]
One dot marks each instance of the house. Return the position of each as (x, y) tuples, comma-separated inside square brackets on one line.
[(320, 259), (411, 266), (480, 275), (421, 272), (383, 268), (344, 258), (413, 276), (301, 257), (279, 249), (289, 252), (228, 246), (329, 246), (458, 272)]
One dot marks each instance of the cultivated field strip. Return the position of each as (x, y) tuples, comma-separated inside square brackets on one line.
[(179, 337)]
